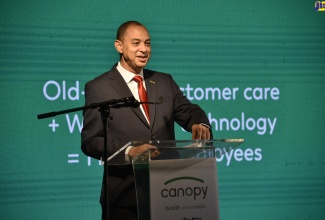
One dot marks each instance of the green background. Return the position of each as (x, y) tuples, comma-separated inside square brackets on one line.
[(235, 44)]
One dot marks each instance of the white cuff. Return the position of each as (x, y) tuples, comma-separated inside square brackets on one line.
[(127, 150)]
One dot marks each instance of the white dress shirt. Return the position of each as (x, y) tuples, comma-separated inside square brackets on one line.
[(133, 85)]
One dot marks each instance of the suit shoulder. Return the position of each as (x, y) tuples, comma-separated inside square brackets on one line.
[(104, 77), (151, 73)]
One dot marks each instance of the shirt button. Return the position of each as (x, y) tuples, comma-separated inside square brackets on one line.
[(153, 137)]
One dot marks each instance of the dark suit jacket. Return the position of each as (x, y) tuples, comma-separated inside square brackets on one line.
[(129, 124)]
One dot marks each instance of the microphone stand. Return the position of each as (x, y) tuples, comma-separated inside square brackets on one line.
[(104, 109)]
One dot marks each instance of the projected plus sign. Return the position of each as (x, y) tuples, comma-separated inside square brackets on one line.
[(54, 125)]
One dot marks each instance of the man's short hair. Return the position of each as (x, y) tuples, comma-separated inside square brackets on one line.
[(122, 29)]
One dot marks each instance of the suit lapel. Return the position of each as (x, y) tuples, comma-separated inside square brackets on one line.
[(118, 83), (151, 92)]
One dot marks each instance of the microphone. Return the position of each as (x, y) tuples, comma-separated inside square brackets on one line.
[(126, 102), (123, 102), (152, 103), (130, 102)]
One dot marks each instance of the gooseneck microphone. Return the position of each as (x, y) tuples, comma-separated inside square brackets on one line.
[(132, 102), (150, 103)]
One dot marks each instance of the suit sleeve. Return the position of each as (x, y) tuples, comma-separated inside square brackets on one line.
[(92, 135), (186, 113)]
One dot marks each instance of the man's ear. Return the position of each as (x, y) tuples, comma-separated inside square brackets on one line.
[(118, 46)]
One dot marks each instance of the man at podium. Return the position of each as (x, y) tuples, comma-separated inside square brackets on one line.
[(151, 121)]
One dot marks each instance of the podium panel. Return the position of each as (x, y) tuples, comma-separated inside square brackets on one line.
[(177, 179), (183, 189)]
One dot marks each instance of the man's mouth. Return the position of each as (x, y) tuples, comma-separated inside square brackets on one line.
[(142, 58)]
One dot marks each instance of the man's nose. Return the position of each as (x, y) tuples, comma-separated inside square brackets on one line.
[(143, 48)]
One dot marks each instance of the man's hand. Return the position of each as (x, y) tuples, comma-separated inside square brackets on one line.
[(136, 151), (200, 132)]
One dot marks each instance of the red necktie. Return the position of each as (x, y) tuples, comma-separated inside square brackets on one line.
[(142, 95)]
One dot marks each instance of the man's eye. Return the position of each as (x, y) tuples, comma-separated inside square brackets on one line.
[(135, 43)]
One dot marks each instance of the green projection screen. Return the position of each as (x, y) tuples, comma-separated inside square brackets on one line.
[(255, 67)]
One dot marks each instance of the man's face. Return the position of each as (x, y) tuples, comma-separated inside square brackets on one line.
[(134, 48)]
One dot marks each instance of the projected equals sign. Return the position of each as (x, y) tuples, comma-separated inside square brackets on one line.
[(73, 158)]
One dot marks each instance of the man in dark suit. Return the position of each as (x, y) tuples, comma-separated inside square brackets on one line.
[(128, 124)]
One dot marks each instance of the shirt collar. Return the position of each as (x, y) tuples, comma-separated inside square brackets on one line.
[(127, 75)]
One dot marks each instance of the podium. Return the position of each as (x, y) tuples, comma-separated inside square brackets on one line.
[(177, 179)]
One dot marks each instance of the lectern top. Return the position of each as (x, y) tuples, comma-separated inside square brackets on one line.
[(180, 149)]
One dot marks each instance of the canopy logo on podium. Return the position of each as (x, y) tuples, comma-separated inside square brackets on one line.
[(184, 189), (195, 192)]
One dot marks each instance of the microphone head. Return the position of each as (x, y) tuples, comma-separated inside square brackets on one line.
[(134, 104)]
